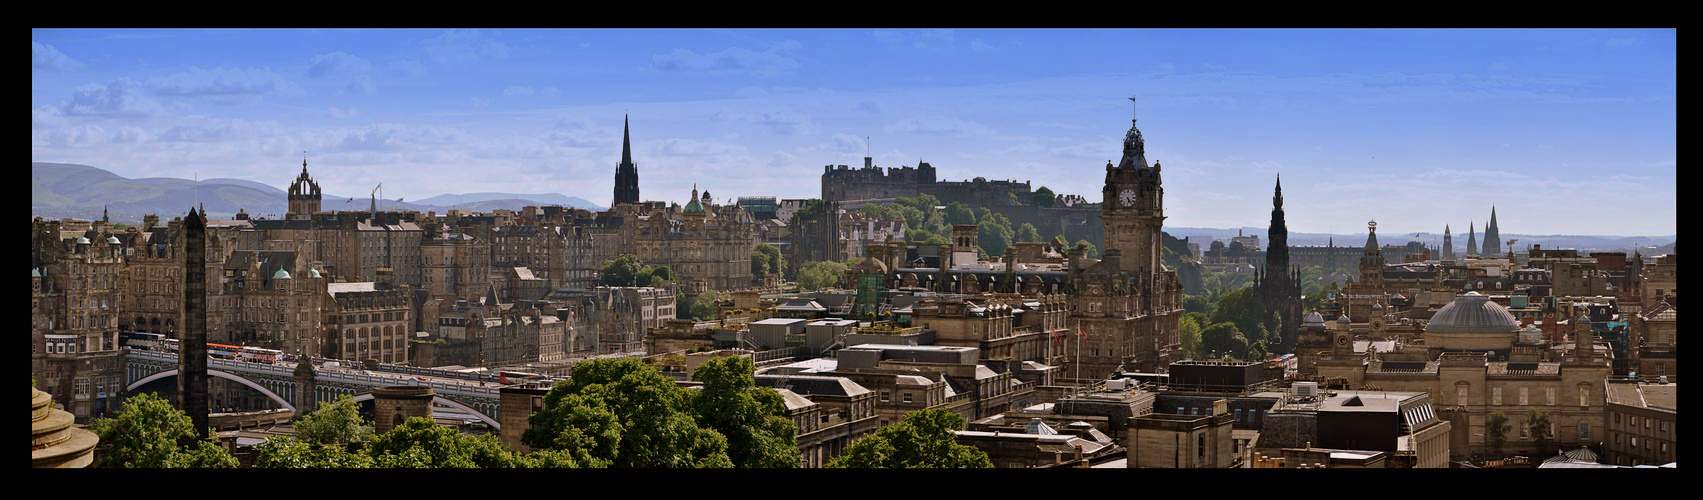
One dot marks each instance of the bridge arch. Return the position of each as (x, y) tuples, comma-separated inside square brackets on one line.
[(450, 403), (216, 373)]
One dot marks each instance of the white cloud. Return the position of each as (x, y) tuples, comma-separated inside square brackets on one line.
[(362, 84), (199, 82), (44, 56), (526, 91), (462, 46), (776, 60), (336, 63), (922, 39), (337, 112), (120, 98), (939, 125)]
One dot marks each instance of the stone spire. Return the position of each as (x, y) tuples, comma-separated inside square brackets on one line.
[(1448, 244), (1471, 239), (1492, 237), (627, 172)]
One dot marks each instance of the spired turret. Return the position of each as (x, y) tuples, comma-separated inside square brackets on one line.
[(304, 195)]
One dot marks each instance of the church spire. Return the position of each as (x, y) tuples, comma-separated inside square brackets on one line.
[(626, 140), (627, 172), (1277, 195), (1471, 239)]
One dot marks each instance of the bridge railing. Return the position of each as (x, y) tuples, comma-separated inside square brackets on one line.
[(353, 376)]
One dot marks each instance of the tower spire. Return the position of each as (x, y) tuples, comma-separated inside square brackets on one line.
[(627, 172), (626, 140)]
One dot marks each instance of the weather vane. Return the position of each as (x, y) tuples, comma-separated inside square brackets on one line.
[(1132, 108)]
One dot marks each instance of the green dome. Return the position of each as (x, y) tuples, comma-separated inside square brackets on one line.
[(312, 273), (281, 274), (693, 206)]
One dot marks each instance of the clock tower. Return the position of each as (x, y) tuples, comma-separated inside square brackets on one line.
[(1132, 207)]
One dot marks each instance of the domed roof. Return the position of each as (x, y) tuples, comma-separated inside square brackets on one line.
[(112, 240), (1344, 319), (1473, 313), (281, 274), (312, 273), (82, 240), (1313, 319)]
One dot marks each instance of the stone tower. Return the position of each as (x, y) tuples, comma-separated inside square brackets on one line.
[(304, 196), (1372, 261), (1492, 237), (192, 356), (394, 405), (1279, 285), (627, 172), (1132, 207), (1448, 244)]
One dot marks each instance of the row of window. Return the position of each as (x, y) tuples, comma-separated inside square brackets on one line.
[(1461, 393), (1632, 423)]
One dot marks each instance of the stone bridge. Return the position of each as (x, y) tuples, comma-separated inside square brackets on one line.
[(277, 382)]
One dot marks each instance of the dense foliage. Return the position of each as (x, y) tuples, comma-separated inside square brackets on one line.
[(819, 275), (627, 270), (922, 440), (623, 413), (753, 419), (767, 259), (338, 422), (148, 432)]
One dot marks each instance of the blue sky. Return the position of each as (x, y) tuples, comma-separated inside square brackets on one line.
[(1566, 131)]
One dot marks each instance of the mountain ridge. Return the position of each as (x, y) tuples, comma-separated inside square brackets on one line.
[(83, 191)]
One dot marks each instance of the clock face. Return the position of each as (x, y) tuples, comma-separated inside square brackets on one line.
[(1127, 197), (1342, 340)]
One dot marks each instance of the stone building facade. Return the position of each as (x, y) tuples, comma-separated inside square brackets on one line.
[(1642, 423), (365, 321)]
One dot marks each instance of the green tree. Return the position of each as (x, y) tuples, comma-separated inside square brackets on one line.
[(993, 238), (1028, 234), (623, 413), (922, 440), (336, 423), (1496, 431), (1223, 339), (776, 262), (421, 443), (1093, 251), (286, 452), (205, 454), (819, 275), (143, 434), (1188, 332), (1538, 424), (1242, 307), (1044, 197), (920, 236), (754, 419), (958, 213), (625, 270), (759, 265)]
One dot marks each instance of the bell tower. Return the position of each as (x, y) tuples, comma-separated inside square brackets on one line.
[(1132, 206)]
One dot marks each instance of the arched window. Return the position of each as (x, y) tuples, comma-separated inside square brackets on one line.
[(1584, 394), (1461, 391)]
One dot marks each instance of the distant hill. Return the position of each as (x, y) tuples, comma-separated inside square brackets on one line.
[(473, 199), (1204, 237), (59, 190)]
